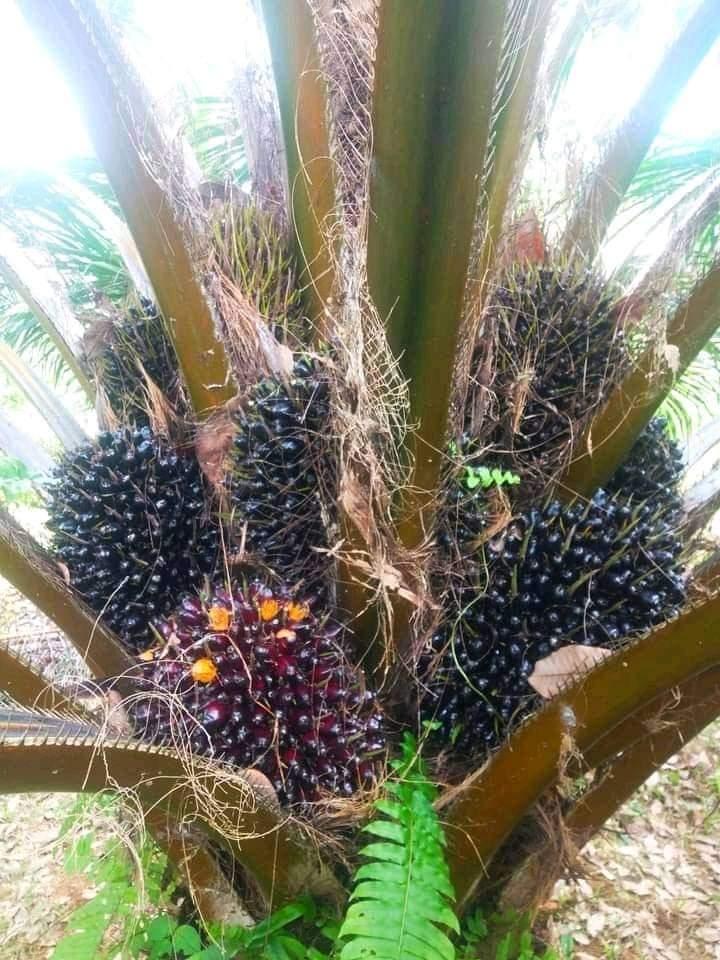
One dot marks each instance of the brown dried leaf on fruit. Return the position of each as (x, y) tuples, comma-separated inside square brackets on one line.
[(554, 672), (212, 444)]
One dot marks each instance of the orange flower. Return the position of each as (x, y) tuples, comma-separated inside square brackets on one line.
[(204, 671), (269, 608), (219, 618), (297, 612)]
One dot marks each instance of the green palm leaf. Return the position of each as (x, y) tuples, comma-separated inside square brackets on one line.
[(401, 905), (213, 130), (672, 167)]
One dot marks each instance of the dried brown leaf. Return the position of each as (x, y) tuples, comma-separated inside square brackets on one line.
[(553, 672), (212, 444)]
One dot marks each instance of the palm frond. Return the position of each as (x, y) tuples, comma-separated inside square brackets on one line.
[(41, 289), (42, 397), (609, 181), (671, 169), (68, 218), (686, 406), (213, 131)]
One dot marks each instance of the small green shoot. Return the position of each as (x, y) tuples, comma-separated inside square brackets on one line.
[(486, 477)]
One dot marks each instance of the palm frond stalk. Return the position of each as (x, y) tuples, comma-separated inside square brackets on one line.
[(14, 442), (24, 685), (35, 574), (434, 83), (48, 302), (609, 182), (621, 760), (302, 95), (666, 733), (653, 666), (635, 399), (141, 170), (61, 421), (246, 820)]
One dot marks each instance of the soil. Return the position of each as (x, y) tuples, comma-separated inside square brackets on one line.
[(646, 888)]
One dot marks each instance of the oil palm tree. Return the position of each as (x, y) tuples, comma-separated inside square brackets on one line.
[(375, 456)]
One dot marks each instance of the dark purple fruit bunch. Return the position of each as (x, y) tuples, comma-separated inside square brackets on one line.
[(278, 510), (128, 519), (135, 348), (596, 573), (555, 343), (260, 681), (652, 471)]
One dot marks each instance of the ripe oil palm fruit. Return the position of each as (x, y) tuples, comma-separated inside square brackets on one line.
[(400, 148), (130, 522), (256, 677), (132, 356), (556, 350), (278, 511)]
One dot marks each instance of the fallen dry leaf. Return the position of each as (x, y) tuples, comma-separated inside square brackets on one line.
[(553, 672)]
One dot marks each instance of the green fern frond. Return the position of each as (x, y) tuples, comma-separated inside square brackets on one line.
[(401, 905)]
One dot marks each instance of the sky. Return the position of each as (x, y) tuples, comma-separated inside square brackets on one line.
[(197, 46), (188, 44), (615, 62)]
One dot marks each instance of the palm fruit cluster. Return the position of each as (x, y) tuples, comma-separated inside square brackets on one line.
[(278, 511), (553, 335), (652, 471), (128, 519), (595, 573), (137, 347), (254, 677)]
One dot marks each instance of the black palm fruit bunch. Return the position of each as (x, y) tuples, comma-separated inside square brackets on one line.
[(652, 471), (253, 676), (128, 519), (277, 500), (553, 335), (597, 573), (137, 347)]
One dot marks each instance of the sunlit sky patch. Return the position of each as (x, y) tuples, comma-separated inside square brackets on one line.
[(196, 47), (181, 48)]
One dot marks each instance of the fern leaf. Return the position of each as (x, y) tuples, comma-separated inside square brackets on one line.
[(401, 905)]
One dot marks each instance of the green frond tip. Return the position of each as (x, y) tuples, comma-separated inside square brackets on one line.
[(402, 901)]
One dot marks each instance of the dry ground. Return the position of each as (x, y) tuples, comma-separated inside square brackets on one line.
[(647, 888)]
